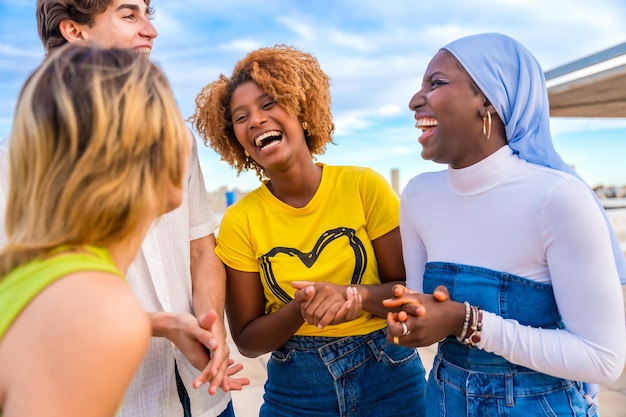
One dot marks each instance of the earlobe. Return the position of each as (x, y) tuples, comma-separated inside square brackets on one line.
[(487, 108), (71, 31)]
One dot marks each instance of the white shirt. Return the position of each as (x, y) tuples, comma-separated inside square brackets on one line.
[(160, 278), (505, 214)]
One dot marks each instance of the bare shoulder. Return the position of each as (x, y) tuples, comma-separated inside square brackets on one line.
[(97, 304), (78, 342)]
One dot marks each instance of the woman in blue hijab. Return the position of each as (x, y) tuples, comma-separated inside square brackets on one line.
[(528, 256)]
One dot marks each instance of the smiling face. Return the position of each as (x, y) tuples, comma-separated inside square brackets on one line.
[(448, 111), (272, 137), (124, 24)]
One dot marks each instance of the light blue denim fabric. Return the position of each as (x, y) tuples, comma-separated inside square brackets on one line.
[(358, 376), (472, 382)]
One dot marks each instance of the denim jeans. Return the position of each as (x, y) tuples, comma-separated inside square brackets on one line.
[(468, 381), (228, 411), (520, 392), (182, 393), (357, 376)]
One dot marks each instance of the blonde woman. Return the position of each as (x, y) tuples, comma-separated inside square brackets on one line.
[(98, 150)]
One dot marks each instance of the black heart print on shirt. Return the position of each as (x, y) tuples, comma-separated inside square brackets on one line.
[(309, 258)]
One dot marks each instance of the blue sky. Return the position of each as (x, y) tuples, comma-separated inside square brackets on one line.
[(375, 53)]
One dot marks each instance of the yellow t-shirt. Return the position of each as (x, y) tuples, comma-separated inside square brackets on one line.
[(327, 240)]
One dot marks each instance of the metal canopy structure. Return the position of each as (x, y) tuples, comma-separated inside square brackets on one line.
[(594, 86)]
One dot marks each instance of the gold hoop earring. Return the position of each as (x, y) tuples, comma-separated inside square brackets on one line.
[(487, 125), (245, 152), (305, 126)]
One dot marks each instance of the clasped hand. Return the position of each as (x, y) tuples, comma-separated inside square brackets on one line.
[(323, 303), (207, 352), (426, 317)]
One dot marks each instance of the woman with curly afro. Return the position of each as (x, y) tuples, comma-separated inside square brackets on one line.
[(312, 252)]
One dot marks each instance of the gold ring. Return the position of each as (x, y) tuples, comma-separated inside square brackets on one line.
[(396, 340)]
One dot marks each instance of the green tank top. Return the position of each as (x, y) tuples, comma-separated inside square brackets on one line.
[(20, 286)]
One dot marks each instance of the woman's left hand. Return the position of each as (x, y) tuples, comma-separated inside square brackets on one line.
[(423, 319), (328, 303)]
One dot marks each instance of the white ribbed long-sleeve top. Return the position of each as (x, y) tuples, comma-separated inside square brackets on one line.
[(508, 215)]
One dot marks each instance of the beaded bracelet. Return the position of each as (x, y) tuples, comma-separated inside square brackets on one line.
[(477, 324), (461, 338), (473, 322)]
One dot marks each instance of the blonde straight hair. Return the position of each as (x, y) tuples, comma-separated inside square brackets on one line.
[(97, 139)]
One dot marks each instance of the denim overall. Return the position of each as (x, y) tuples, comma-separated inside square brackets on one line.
[(355, 376), (468, 381)]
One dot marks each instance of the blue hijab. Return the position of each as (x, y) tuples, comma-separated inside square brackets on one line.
[(513, 81)]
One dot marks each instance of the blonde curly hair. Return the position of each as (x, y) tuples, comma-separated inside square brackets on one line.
[(291, 77)]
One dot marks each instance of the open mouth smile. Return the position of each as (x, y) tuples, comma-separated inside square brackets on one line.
[(426, 123), (268, 139)]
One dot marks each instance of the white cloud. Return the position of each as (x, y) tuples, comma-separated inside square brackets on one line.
[(298, 26), (241, 45), (353, 41), (391, 110), (564, 125), (347, 123), (374, 51), (13, 51)]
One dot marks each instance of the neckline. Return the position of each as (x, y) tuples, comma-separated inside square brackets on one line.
[(483, 175), (312, 203)]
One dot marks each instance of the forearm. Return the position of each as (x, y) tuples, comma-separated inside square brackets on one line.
[(208, 278), (269, 332), (208, 293), (372, 297), (552, 351), (162, 323)]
